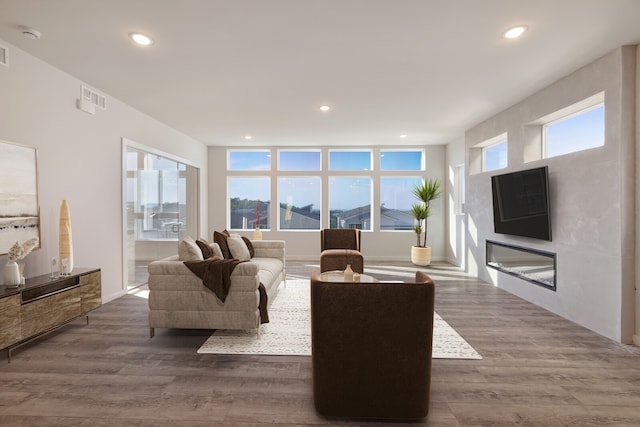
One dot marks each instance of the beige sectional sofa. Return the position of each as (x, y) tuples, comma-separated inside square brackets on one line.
[(178, 298)]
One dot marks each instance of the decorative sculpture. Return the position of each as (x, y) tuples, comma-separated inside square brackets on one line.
[(65, 246)]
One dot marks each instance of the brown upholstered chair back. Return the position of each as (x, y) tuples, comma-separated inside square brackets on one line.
[(340, 238), (371, 348)]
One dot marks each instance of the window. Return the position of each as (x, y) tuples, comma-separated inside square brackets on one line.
[(494, 156), (313, 188), (161, 207), (579, 131), (402, 160), (157, 196), (350, 160), (350, 202), (459, 189), (396, 198), (249, 160), (299, 199), (299, 160), (249, 202)]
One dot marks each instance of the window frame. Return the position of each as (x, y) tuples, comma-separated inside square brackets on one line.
[(350, 150), (491, 143), (298, 150), (572, 112), (423, 159)]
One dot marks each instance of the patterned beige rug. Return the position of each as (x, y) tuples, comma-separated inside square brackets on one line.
[(288, 332)]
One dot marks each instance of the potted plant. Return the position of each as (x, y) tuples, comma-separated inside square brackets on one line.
[(425, 193)]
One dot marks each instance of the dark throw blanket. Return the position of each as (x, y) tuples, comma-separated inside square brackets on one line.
[(215, 273)]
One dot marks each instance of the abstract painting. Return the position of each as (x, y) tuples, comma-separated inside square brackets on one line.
[(19, 214)]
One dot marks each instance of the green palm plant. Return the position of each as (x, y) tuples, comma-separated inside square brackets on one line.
[(425, 193)]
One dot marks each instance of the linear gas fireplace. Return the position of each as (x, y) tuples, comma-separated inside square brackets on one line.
[(532, 265)]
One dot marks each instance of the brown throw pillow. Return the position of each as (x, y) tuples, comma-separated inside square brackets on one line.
[(207, 250), (252, 251), (221, 240)]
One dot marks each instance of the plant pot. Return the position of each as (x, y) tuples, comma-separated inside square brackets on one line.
[(421, 255), (12, 274)]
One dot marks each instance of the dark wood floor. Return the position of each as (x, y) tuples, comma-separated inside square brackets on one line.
[(538, 370)]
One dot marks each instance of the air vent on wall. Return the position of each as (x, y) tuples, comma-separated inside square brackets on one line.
[(4, 56), (93, 97)]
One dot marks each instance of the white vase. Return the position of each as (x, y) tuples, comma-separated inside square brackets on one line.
[(348, 274), (12, 274), (65, 244), (257, 234)]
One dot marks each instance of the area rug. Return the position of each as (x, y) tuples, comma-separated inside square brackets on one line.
[(289, 331)]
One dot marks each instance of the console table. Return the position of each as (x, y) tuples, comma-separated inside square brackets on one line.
[(45, 303)]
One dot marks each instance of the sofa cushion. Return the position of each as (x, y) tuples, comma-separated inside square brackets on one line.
[(238, 248), (216, 250), (205, 247), (188, 250), (221, 239), (252, 251)]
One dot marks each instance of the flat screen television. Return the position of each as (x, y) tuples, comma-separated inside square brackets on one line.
[(521, 203)]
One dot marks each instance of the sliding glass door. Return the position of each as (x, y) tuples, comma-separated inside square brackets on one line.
[(161, 207)]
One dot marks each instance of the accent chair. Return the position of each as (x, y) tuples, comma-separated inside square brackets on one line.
[(339, 247), (371, 348)]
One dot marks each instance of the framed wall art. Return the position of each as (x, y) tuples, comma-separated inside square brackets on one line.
[(19, 212)]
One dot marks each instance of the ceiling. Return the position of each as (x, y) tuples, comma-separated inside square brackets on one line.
[(223, 69)]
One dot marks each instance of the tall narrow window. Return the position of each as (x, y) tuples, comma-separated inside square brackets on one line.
[(299, 199), (459, 189), (350, 202), (249, 202)]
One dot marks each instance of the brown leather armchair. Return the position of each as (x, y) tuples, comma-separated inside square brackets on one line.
[(339, 247), (371, 348)]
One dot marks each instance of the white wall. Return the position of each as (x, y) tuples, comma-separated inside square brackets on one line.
[(456, 220), (305, 245), (592, 201), (79, 159)]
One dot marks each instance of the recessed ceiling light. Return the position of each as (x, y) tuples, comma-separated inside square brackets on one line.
[(30, 33), (141, 39), (324, 108), (404, 135), (514, 32), (247, 137)]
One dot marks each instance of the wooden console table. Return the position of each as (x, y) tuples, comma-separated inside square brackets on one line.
[(45, 303)]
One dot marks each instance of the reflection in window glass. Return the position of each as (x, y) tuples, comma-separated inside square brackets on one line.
[(245, 160), (495, 156), (249, 201), (307, 160), (404, 160), (299, 199), (340, 160), (350, 202), (396, 198), (575, 133)]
